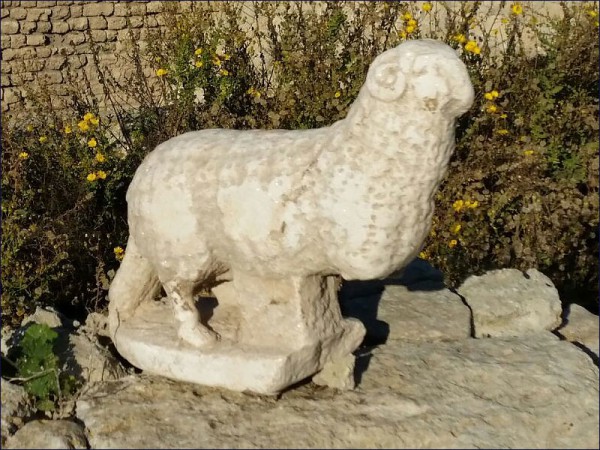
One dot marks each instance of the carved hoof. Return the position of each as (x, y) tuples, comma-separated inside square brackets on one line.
[(198, 335)]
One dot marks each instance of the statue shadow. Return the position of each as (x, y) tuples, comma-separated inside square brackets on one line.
[(360, 299)]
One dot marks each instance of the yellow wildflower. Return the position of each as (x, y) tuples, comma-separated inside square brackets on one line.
[(426, 6), (43, 139), (91, 177), (92, 143), (94, 121), (216, 61), (423, 255), (29, 128), (502, 132), (597, 23), (198, 64), (337, 94), (410, 29), (458, 205), (593, 14), (224, 72), (68, 129), (402, 34), (407, 16), (23, 155), (412, 23), (503, 116), (198, 52), (491, 95), (491, 108), (472, 47), (88, 116), (119, 253), (161, 72), (504, 20), (517, 8), (226, 57), (452, 243), (101, 174), (471, 204), (528, 152), (84, 125), (456, 228), (460, 38), (100, 157)]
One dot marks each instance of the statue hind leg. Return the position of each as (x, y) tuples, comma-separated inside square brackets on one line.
[(191, 330)]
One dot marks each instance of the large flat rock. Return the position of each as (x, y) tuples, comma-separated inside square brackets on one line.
[(537, 392)]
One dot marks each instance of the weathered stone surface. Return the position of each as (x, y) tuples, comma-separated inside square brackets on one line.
[(86, 359), (37, 39), (98, 9), (17, 14), (96, 324), (415, 313), (97, 23), (79, 23), (509, 302), (313, 223), (490, 393), (46, 316), (18, 41), (58, 13), (116, 23), (51, 434), (10, 26), (43, 27), (28, 27), (15, 405), (60, 27), (581, 327)]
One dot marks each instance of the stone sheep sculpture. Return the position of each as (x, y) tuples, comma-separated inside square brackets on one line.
[(268, 208)]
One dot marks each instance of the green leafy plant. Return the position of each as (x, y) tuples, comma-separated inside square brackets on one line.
[(39, 367)]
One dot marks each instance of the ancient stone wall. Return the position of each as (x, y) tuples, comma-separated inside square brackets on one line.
[(42, 39)]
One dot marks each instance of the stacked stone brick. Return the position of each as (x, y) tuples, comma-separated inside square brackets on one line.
[(42, 39)]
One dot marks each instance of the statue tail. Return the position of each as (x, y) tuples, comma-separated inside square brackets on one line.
[(136, 281)]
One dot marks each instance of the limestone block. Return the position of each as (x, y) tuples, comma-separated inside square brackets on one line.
[(56, 62), (37, 39), (411, 314), (10, 26), (5, 80), (75, 38), (79, 23), (28, 27), (60, 27), (130, 8), (25, 53), (509, 302), (35, 14), (11, 95), (136, 21), (116, 23), (4, 12), (17, 14), (43, 52), (15, 406), (17, 41), (45, 316), (97, 23), (59, 13), (43, 27), (32, 64), (267, 226), (5, 42), (111, 35), (98, 36), (76, 11), (98, 9), (154, 7), (581, 327), (50, 434), (538, 392), (45, 4), (52, 76)]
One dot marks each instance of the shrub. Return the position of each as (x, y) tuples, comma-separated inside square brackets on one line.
[(522, 190)]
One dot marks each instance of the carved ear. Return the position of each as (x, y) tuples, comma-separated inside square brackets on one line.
[(386, 82)]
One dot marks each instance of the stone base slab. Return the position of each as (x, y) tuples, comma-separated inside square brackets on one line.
[(149, 341)]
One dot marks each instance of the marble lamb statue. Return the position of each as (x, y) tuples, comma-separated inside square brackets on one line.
[(267, 218)]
